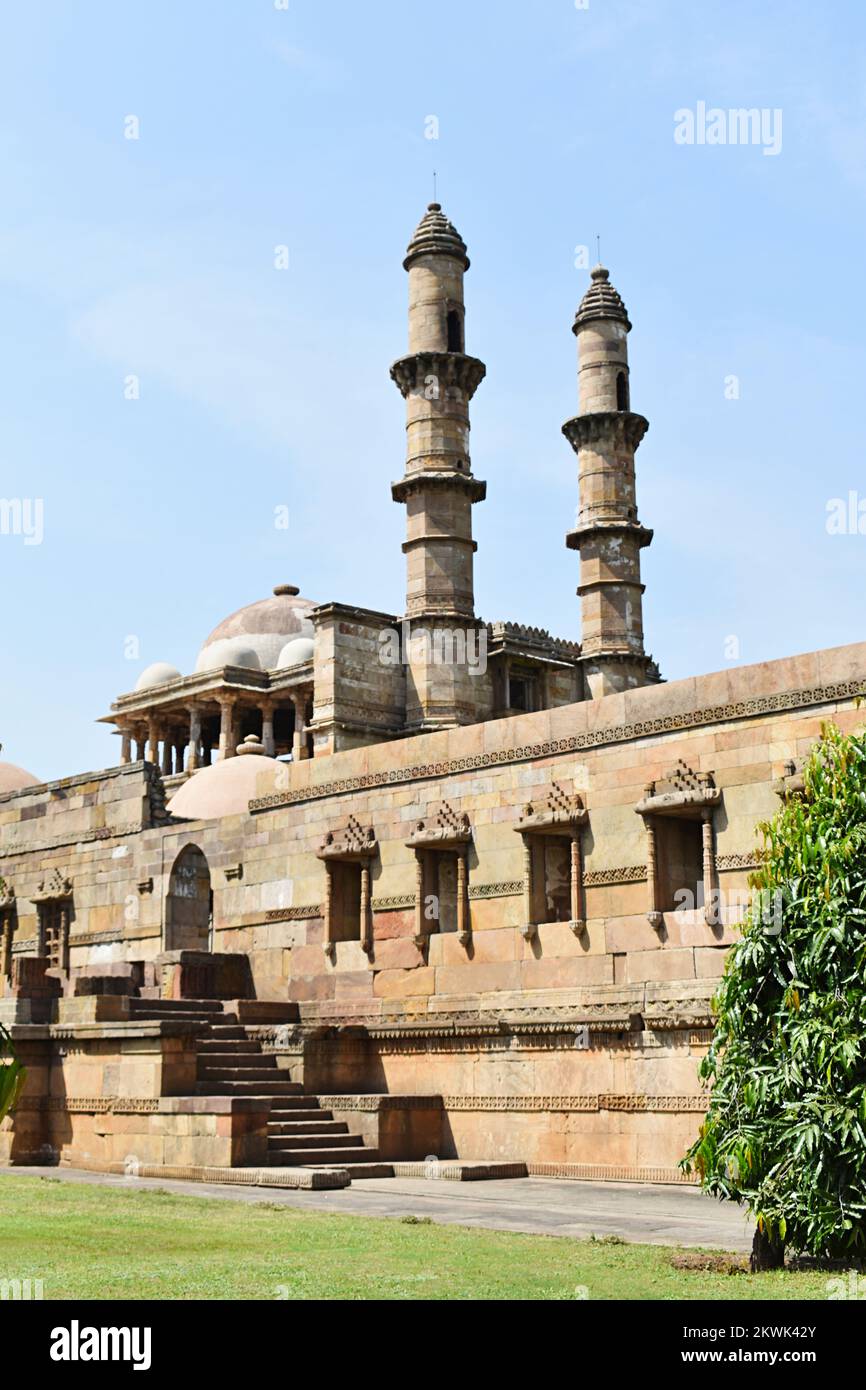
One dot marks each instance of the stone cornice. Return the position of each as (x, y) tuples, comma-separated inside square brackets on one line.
[(451, 370), (206, 687), (752, 708)]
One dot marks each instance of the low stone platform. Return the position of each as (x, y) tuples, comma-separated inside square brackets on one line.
[(460, 1170), (313, 1179)]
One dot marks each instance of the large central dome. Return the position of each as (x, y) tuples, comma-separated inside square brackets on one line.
[(257, 635)]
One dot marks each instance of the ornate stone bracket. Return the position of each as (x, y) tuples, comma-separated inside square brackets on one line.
[(53, 887), (453, 371), (561, 815), (351, 845), (791, 783), (690, 795), (447, 833), (602, 427)]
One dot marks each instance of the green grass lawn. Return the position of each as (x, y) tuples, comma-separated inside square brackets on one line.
[(98, 1242)]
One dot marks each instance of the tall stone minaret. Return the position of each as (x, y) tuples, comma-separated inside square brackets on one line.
[(608, 534), (438, 381)]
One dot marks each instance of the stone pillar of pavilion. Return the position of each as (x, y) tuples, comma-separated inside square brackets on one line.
[(268, 744), (608, 534), (193, 755), (437, 381), (299, 740), (228, 742)]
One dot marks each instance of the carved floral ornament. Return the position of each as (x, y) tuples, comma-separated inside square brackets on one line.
[(7, 895)]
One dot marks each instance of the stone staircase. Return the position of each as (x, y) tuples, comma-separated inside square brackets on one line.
[(232, 1063)]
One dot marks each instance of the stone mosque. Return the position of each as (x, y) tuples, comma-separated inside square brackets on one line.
[(367, 891)]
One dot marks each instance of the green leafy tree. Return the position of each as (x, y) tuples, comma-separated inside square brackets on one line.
[(12, 1074), (785, 1132)]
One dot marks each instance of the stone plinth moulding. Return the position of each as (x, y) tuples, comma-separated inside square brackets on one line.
[(692, 796), (351, 845), (445, 833), (561, 816)]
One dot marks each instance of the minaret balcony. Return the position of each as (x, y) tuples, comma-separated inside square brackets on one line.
[(609, 427), (451, 371)]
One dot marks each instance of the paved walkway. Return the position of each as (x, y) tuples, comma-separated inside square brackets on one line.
[(649, 1214)]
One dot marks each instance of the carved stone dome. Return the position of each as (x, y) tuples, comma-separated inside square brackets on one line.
[(435, 235), (261, 630), (601, 301)]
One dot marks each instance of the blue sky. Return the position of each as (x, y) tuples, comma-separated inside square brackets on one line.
[(305, 126)]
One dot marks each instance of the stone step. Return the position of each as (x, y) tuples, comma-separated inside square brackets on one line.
[(301, 1116), (315, 1158), (232, 1046), (287, 1106), (323, 1125), (311, 1141), (256, 1090), (179, 1006), (241, 1075), (359, 1170), (237, 1061)]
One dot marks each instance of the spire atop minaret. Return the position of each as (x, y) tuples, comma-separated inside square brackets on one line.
[(435, 235), (601, 301), (608, 534)]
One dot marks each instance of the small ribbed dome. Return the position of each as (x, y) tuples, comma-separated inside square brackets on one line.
[(228, 651), (436, 236), (299, 649), (15, 779), (601, 301), (158, 673)]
